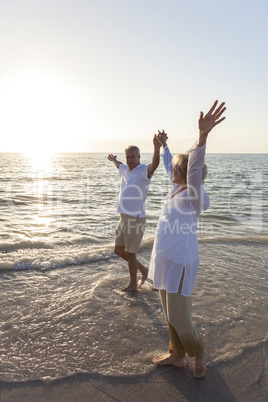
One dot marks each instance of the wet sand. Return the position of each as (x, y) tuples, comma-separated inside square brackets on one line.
[(242, 379)]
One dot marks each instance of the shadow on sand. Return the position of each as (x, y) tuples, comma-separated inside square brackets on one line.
[(161, 384)]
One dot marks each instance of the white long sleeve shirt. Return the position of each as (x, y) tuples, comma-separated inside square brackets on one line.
[(176, 247)]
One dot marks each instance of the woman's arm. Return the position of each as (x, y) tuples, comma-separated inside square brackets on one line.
[(194, 174), (166, 155), (197, 153), (167, 159)]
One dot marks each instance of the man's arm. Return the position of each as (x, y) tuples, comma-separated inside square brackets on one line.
[(156, 157), (113, 158)]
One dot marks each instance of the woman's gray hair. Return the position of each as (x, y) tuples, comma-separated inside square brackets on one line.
[(181, 160), (133, 147)]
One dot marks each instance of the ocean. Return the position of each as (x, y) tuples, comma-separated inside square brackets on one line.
[(62, 311)]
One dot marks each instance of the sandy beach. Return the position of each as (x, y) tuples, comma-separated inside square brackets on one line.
[(237, 349), (242, 379)]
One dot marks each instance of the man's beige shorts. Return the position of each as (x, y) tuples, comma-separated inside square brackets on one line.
[(129, 232)]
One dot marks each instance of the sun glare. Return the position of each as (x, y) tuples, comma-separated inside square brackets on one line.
[(39, 160), (41, 114)]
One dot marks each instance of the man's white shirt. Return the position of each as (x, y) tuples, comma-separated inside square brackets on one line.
[(134, 189)]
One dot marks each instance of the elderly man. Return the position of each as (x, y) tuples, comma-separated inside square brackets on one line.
[(136, 178)]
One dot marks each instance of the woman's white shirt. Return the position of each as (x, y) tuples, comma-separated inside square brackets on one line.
[(176, 247)]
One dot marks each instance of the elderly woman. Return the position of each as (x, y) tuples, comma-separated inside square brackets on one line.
[(175, 256)]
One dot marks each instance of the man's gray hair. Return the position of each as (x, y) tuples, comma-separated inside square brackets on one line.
[(133, 147)]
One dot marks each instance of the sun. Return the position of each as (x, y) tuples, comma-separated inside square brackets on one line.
[(41, 114), (40, 160)]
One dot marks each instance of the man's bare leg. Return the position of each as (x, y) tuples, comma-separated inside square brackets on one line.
[(132, 266), (120, 250)]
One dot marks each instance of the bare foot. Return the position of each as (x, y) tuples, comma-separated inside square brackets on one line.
[(143, 278), (200, 365), (129, 288), (168, 360)]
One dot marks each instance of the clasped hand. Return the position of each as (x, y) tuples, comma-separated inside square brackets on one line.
[(161, 137)]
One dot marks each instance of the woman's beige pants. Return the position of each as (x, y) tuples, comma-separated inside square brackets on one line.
[(183, 336)]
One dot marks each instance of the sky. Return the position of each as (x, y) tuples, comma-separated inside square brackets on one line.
[(98, 75)]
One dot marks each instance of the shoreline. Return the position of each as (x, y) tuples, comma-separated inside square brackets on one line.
[(242, 379)]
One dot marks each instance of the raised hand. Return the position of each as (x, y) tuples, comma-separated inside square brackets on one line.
[(162, 137), (209, 121), (112, 157), (156, 142)]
